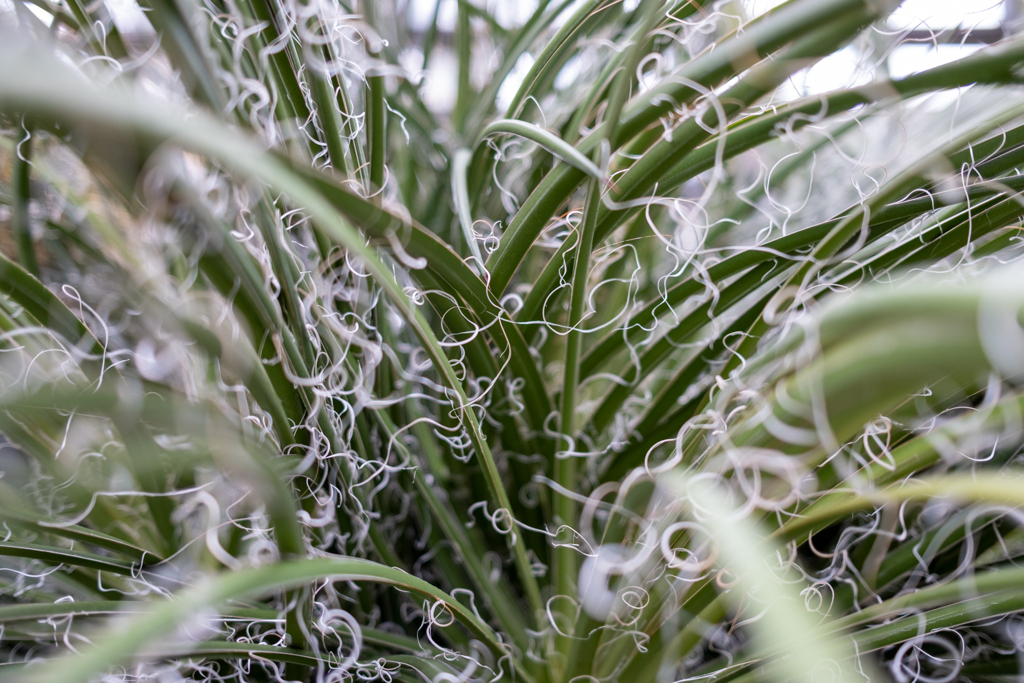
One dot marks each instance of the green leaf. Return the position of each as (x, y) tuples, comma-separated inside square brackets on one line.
[(785, 625), (119, 645), (42, 305), (460, 192), (548, 141)]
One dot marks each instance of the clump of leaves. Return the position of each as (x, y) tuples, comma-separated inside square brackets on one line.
[(629, 363)]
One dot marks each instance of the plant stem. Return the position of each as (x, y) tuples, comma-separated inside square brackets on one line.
[(376, 136), (566, 509), (464, 94), (22, 195)]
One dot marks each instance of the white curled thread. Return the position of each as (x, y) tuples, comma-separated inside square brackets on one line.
[(204, 499)]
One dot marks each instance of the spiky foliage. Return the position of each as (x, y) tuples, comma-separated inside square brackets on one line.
[(656, 372)]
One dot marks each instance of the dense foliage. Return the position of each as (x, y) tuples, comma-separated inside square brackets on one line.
[(633, 360)]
